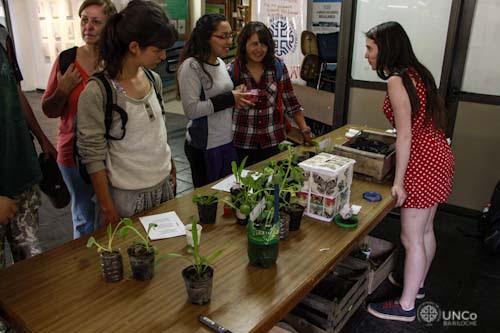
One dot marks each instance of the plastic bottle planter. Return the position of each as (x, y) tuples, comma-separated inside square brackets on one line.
[(284, 225), (141, 262), (112, 266), (295, 211), (199, 291), (263, 244), (207, 213)]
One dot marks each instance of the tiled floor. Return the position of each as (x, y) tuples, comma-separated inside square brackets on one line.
[(463, 277)]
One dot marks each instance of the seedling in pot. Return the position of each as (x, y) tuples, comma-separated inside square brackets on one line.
[(199, 275), (207, 207), (111, 259), (141, 253)]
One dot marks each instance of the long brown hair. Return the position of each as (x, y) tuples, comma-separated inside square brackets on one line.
[(395, 56)]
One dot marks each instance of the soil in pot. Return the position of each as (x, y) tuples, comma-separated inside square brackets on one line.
[(141, 262), (207, 213), (112, 266), (198, 289), (295, 211), (262, 255)]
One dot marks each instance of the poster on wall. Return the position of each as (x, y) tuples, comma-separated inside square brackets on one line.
[(326, 16), (286, 19)]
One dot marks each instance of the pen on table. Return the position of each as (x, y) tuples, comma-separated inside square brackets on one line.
[(213, 325)]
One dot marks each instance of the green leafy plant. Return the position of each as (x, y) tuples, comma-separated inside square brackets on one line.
[(128, 226), (205, 200), (111, 233), (198, 261)]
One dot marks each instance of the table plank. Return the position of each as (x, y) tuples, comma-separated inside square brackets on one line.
[(61, 290)]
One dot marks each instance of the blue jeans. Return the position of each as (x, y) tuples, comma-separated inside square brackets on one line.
[(83, 208)]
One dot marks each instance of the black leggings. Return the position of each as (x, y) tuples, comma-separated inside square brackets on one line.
[(196, 160)]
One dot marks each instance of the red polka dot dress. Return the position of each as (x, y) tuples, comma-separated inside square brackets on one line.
[(429, 175)]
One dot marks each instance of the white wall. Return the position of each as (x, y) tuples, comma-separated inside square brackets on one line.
[(425, 21), (24, 39)]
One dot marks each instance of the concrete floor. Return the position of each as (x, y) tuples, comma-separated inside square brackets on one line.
[(463, 277)]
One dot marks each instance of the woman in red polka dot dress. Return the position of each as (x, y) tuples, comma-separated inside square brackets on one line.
[(424, 161)]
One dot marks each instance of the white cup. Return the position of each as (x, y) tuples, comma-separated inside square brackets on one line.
[(189, 234)]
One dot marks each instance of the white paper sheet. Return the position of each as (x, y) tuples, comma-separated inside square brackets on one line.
[(228, 182), (169, 225)]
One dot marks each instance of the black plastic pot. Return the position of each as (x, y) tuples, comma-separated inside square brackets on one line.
[(199, 290), (284, 225), (207, 213), (240, 218), (112, 266), (262, 255), (295, 211), (141, 262)]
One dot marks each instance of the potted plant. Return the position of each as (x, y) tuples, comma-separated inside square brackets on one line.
[(207, 207), (242, 196), (111, 259), (141, 253), (291, 180), (199, 275)]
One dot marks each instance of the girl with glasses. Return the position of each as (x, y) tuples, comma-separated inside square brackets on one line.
[(131, 168), (208, 98)]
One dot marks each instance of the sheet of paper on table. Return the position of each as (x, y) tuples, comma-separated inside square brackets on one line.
[(228, 182), (169, 225)]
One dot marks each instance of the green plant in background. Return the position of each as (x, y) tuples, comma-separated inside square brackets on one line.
[(111, 233), (205, 200), (198, 261), (144, 243)]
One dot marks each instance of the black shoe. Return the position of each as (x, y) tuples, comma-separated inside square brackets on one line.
[(394, 281)]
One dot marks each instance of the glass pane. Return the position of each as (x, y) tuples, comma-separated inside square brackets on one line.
[(425, 21), (482, 72), (2, 15)]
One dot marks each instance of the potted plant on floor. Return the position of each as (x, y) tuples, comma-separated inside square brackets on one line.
[(141, 253), (198, 277), (207, 207), (111, 259)]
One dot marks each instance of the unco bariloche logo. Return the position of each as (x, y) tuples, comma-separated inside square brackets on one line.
[(428, 313), (284, 35)]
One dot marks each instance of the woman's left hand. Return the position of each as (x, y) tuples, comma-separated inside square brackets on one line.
[(398, 191), (307, 135)]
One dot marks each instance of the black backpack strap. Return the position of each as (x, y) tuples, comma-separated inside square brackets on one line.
[(66, 58), (110, 105), (156, 86)]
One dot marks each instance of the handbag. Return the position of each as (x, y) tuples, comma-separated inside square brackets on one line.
[(52, 183)]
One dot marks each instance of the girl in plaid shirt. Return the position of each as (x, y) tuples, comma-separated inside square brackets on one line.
[(259, 128)]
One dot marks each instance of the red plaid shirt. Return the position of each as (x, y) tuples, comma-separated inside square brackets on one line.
[(261, 126)]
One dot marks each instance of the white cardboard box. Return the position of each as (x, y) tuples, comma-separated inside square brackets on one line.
[(327, 185)]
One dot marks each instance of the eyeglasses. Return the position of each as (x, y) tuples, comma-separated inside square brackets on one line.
[(229, 35)]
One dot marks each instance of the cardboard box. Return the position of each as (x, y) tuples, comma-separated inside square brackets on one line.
[(368, 163), (327, 185)]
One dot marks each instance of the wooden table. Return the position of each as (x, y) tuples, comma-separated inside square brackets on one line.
[(62, 290)]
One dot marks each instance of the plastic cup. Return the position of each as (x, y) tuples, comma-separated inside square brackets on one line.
[(254, 95), (189, 234)]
